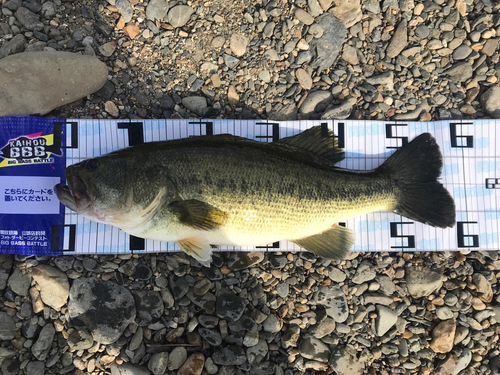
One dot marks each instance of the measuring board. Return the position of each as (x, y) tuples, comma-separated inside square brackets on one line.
[(35, 152)]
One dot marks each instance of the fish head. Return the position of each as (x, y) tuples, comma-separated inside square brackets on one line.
[(97, 189)]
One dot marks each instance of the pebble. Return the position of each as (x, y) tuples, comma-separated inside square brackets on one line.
[(196, 104), (89, 301), (125, 9), (238, 44), (304, 79), (149, 306), (128, 369), (339, 112), (460, 71), (290, 337), (111, 108), (312, 348), (157, 10), (346, 364), (158, 363), (230, 356), (463, 361), (193, 365), (256, 353), (230, 307), (385, 320), (41, 347), (462, 52), (7, 326), (490, 101), (443, 336), (272, 324), (399, 40), (19, 282), (316, 101), (365, 272), (330, 43), (176, 358), (29, 19), (35, 368), (53, 285), (179, 15), (422, 282), (304, 17), (211, 336)]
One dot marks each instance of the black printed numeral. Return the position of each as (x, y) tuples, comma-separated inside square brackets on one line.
[(275, 131), (492, 183), (209, 126), (57, 238), (388, 134), (135, 132), (460, 140), (340, 136), (466, 239), (410, 239)]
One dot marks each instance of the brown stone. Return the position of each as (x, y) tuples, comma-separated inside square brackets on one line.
[(193, 365), (132, 30), (442, 336), (483, 287), (447, 367)]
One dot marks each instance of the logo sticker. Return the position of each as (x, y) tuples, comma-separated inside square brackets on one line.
[(29, 149)]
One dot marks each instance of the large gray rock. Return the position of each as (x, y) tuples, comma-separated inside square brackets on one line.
[(103, 307), (328, 46), (34, 83), (490, 101), (53, 285)]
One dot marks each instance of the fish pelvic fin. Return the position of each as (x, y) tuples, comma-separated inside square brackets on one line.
[(198, 214), (415, 169), (199, 250), (333, 243), (318, 141)]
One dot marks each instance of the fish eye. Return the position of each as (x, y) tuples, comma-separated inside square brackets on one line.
[(91, 165)]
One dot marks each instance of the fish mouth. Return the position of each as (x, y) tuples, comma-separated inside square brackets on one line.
[(75, 195)]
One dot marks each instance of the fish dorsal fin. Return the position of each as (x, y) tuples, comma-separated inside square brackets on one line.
[(319, 142), (333, 243), (199, 250), (198, 214)]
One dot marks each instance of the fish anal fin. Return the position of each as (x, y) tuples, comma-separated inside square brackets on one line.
[(333, 243), (198, 214), (318, 142), (198, 249)]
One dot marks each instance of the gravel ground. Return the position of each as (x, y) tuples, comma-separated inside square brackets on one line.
[(261, 313)]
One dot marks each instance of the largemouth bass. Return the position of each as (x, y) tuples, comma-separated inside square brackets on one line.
[(225, 190)]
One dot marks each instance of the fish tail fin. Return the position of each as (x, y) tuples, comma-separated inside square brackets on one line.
[(415, 168)]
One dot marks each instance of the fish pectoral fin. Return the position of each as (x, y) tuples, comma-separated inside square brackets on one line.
[(199, 250), (317, 141), (334, 243), (198, 214)]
